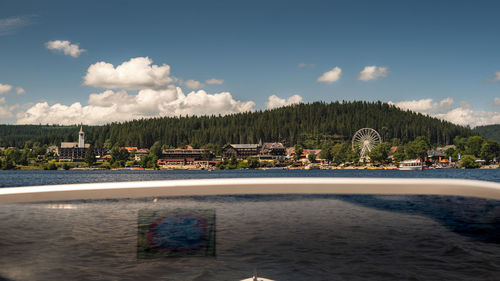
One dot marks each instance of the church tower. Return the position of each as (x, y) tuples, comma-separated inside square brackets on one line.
[(81, 138)]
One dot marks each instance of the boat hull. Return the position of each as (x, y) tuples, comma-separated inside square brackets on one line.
[(411, 168)]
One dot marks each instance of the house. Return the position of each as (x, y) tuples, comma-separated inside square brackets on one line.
[(186, 155), (53, 149), (241, 151), (315, 152), (272, 151), (290, 152), (438, 155), (129, 149), (141, 153), (172, 161)]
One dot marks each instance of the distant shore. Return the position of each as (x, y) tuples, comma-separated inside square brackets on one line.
[(188, 167)]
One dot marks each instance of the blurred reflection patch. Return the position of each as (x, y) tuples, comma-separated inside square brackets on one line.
[(176, 233)]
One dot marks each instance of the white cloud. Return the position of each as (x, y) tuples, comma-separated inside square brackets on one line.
[(4, 88), (275, 101), (372, 72), (12, 24), (331, 76), (110, 106), (496, 78), (423, 105), (135, 74), (461, 115), (467, 116), (193, 84), (214, 81), (20, 91), (446, 104), (6, 111), (427, 106), (66, 47), (301, 65), (496, 101)]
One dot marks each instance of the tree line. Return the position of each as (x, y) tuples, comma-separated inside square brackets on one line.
[(310, 125)]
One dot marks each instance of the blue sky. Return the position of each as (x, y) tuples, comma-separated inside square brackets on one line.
[(435, 57)]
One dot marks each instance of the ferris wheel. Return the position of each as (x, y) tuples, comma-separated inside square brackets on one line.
[(365, 139)]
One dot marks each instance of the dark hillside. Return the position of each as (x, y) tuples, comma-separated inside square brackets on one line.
[(17, 135), (314, 122), (489, 132)]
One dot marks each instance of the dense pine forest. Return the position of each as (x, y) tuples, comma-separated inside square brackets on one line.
[(17, 135), (309, 124), (489, 132)]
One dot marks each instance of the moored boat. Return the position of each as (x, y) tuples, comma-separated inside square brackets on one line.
[(411, 165)]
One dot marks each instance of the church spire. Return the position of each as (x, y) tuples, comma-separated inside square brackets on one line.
[(81, 138)]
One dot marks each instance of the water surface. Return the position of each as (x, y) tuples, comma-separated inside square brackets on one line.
[(26, 178)]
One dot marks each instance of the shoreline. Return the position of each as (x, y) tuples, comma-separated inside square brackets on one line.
[(192, 168)]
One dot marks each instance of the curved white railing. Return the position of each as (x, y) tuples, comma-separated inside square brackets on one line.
[(235, 186)]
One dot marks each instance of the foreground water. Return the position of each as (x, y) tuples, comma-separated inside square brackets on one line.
[(25, 178), (283, 237)]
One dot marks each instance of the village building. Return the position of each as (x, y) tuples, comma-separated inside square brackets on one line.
[(53, 149), (290, 153), (71, 151), (241, 151), (186, 155), (438, 155), (267, 151), (129, 149), (141, 153), (272, 151)]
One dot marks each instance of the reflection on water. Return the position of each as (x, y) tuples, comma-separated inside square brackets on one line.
[(297, 237), (473, 217), (176, 233)]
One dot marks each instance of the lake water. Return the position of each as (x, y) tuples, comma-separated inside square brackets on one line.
[(283, 237), (26, 178)]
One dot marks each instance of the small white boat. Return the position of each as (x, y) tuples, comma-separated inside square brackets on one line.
[(411, 165)]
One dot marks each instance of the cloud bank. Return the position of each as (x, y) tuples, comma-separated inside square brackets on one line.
[(155, 97), (111, 106), (463, 114), (66, 47), (275, 101), (372, 72), (331, 76)]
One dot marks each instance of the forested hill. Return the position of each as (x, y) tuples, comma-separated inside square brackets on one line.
[(17, 135), (489, 131), (311, 123)]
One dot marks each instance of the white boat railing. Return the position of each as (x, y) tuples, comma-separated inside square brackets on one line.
[(247, 186)]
